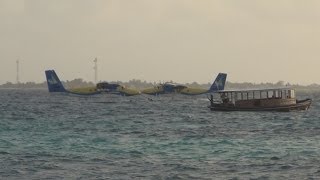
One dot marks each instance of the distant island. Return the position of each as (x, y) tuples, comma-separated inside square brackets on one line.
[(138, 84)]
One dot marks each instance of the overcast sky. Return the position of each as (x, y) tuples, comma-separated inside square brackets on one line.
[(153, 40)]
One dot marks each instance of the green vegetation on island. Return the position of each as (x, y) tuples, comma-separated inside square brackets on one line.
[(139, 84)]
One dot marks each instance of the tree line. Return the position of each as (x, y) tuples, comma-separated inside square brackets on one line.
[(139, 84)]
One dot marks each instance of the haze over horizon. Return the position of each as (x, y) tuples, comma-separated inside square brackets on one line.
[(180, 40)]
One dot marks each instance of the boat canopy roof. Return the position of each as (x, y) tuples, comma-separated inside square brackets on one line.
[(255, 90)]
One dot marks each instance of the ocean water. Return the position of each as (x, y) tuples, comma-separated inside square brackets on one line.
[(56, 136)]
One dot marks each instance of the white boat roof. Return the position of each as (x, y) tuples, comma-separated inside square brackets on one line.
[(250, 90)]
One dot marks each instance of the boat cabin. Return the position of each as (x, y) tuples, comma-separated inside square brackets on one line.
[(258, 97)]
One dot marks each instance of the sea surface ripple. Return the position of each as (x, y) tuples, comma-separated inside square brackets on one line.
[(57, 136)]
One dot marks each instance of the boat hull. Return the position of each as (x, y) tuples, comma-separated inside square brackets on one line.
[(299, 106)]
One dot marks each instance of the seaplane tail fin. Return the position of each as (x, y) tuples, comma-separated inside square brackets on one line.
[(219, 82), (54, 83)]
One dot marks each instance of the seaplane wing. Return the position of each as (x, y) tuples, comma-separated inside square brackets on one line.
[(166, 88), (156, 90), (128, 91), (112, 88), (193, 91)]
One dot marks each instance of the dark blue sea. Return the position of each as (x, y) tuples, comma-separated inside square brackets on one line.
[(56, 136)]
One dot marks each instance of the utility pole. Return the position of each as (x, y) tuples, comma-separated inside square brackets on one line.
[(18, 79), (95, 70)]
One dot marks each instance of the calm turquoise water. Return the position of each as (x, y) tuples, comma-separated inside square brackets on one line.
[(54, 136)]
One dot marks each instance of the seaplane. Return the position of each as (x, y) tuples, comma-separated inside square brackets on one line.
[(55, 85), (173, 88)]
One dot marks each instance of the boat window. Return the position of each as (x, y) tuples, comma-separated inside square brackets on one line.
[(291, 94), (288, 94), (284, 94), (245, 96), (263, 95), (233, 97), (224, 97), (239, 96), (250, 95), (270, 94), (257, 95)]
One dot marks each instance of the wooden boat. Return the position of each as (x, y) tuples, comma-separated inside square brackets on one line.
[(281, 99)]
